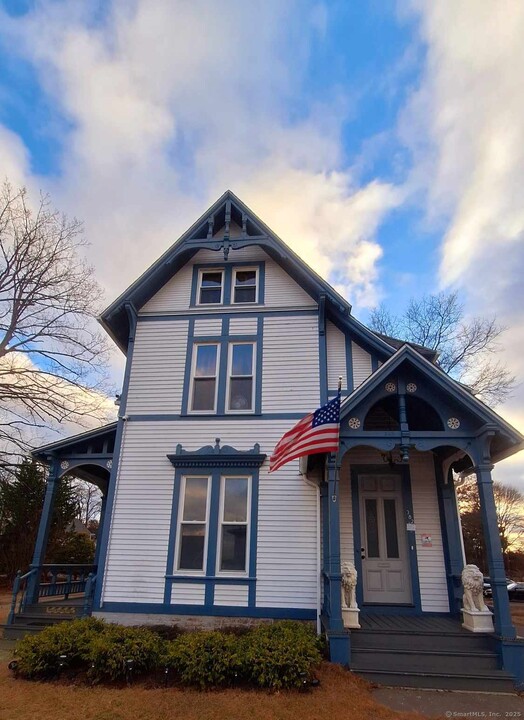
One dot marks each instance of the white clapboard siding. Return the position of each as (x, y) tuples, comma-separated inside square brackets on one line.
[(137, 553), (157, 367), (336, 356), (208, 326), (431, 567), (174, 295), (280, 289), (361, 364), (243, 326), (188, 593), (346, 513), (290, 368), (233, 595)]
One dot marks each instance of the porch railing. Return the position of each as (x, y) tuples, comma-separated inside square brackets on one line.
[(46, 581)]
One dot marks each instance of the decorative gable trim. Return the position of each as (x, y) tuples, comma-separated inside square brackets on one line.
[(211, 456)]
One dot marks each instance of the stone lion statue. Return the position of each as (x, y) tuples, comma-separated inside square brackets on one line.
[(473, 582), (349, 585)]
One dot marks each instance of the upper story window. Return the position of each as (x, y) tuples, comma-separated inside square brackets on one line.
[(204, 377), (245, 285), (240, 377), (211, 287), (194, 520)]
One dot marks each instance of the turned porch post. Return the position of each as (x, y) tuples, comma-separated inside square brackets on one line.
[(43, 530), (502, 613), (100, 527)]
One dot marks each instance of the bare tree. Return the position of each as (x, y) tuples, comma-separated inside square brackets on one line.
[(89, 499), (53, 359), (466, 347), (510, 516)]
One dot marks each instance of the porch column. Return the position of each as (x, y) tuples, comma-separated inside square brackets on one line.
[(502, 614), (43, 530), (100, 528), (338, 637)]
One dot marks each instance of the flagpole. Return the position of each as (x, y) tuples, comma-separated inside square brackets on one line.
[(335, 486)]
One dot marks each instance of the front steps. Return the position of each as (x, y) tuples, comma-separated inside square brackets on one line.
[(426, 653), (40, 615)]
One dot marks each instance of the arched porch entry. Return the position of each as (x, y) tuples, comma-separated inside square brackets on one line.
[(88, 456), (388, 500)]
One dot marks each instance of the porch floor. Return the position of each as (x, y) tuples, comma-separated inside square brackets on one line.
[(411, 623)]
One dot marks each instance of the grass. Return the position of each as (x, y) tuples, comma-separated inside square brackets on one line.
[(340, 695)]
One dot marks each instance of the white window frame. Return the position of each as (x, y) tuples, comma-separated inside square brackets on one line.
[(253, 375), (180, 521), (196, 345), (223, 480), (238, 269), (201, 272)]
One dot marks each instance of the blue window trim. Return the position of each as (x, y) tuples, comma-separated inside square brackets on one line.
[(215, 461), (415, 607), (228, 268), (225, 339)]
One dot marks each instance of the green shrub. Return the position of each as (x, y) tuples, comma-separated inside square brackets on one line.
[(110, 652), (39, 655), (279, 655), (205, 659)]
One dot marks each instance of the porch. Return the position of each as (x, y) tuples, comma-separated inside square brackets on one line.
[(388, 507), (48, 593)]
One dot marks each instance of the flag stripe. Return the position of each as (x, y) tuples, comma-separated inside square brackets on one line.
[(317, 432)]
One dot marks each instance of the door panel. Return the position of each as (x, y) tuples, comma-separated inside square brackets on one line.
[(386, 574)]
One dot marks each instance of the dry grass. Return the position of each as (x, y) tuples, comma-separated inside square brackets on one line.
[(339, 695)]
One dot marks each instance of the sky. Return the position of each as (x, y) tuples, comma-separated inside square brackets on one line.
[(382, 140)]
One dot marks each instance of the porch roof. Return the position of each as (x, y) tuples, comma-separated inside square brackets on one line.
[(84, 443), (510, 440)]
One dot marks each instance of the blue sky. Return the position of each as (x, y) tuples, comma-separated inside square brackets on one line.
[(382, 140)]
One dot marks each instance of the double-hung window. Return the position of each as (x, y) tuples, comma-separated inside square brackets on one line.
[(204, 375), (194, 520), (211, 287), (241, 385), (245, 285), (233, 533)]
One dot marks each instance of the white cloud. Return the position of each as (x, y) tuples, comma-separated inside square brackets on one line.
[(171, 102), (465, 126)]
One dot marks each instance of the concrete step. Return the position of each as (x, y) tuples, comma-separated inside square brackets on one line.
[(54, 610), (488, 681), (378, 659), (18, 631)]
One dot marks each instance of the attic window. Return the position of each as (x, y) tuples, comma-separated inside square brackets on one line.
[(211, 287), (245, 282)]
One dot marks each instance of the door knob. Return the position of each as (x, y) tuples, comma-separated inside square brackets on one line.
[(363, 553)]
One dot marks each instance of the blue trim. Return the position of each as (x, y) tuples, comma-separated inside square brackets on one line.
[(374, 363), (214, 610), (213, 417), (227, 267), (231, 312), (187, 369), (170, 564), (211, 579), (106, 529), (322, 351), (222, 369), (259, 365), (415, 607), (212, 539)]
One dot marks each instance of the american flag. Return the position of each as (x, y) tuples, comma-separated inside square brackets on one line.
[(316, 433)]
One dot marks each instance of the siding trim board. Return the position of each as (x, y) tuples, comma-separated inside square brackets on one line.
[(277, 613)]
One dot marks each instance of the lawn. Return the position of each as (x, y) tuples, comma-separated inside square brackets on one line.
[(340, 695)]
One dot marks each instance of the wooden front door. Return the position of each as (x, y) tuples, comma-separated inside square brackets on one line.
[(386, 575)]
